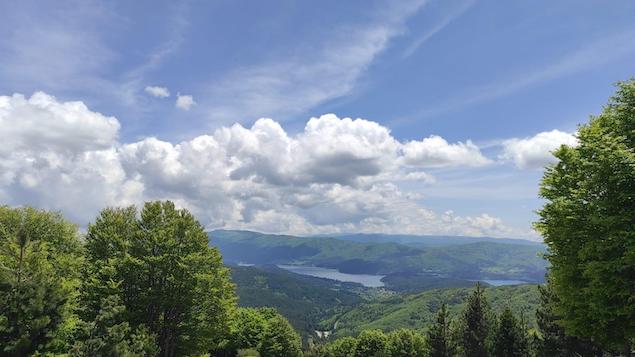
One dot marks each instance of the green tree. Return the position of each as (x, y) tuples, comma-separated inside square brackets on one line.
[(249, 327), (166, 275), (279, 339), (39, 257), (553, 341), (405, 343), (110, 335), (439, 343), (588, 223), (371, 343), (342, 347), (510, 338), (475, 325)]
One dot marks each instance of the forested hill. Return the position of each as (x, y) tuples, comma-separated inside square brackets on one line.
[(481, 259)]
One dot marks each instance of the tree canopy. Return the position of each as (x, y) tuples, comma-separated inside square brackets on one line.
[(588, 222)]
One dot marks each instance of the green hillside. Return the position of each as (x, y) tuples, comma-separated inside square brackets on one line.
[(303, 300), (480, 260), (418, 311)]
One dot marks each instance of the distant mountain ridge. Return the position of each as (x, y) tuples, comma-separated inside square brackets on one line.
[(421, 241), (487, 258)]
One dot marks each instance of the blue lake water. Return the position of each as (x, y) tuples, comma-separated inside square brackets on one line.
[(368, 280), (495, 282)]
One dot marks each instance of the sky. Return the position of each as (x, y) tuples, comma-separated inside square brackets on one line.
[(303, 117)]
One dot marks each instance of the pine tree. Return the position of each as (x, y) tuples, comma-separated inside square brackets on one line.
[(110, 335), (39, 255), (279, 339), (439, 343), (510, 339), (475, 325)]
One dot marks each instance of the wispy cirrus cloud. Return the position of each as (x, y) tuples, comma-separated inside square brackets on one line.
[(287, 86), (439, 26), (596, 53)]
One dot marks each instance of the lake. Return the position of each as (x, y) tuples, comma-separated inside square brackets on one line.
[(368, 280), (495, 282)]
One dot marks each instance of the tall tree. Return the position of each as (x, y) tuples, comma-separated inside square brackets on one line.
[(588, 223), (510, 338), (39, 257), (475, 325), (166, 275), (439, 343), (279, 339)]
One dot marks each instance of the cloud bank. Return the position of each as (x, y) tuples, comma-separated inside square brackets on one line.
[(337, 175), (536, 152)]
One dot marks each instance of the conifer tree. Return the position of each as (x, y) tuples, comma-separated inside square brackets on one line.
[(510, 339), (439, 343), (39, 258), (110, 335), (475, 325)]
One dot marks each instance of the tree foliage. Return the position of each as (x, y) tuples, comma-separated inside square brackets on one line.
[(39, 256), (588, 223), (439, 337), (510, 338), (110, 335), (167, 277), (475, 325), (279, 339)]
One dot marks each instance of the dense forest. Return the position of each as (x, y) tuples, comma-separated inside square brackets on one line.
[(148, 282)]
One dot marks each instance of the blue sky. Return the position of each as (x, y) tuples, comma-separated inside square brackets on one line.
[(461, 102)]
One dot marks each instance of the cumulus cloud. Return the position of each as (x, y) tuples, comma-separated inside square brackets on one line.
[(337, 175), (434, 151), (159, 92), (536, 152), (184, 102)]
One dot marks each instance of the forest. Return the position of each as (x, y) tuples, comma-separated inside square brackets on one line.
[(150, 281)]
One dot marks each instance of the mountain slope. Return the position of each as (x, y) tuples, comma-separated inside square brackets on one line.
[(480, 260)]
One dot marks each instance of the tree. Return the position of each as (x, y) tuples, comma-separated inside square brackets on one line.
[(588, 223), (279, 339), (475, 325), (110, 335), (439, 343), (342, 347), (166, 275), (39, 256), (553, 341), (510, 339), (249, 327), (405, 343), (371, 343)]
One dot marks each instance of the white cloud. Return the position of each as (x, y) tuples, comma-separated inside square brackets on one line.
[(159, 92), (536, 152), (337, 175), (184, 102), (434, 151)]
